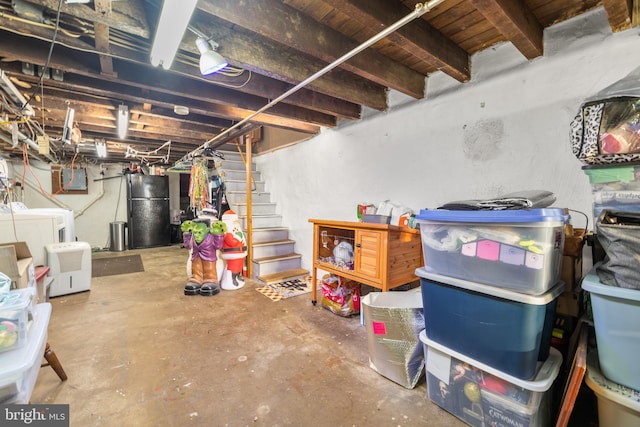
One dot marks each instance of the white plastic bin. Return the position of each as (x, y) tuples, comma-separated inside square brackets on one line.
[(19, 368), (484, 396)]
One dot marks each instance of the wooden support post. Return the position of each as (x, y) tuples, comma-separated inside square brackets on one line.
[(248, 142)]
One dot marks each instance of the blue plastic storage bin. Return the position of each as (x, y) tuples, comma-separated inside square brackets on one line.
[(520, 250), (616, 320), (509, 331)]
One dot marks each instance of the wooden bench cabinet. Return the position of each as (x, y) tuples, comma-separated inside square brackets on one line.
[(384, 256)]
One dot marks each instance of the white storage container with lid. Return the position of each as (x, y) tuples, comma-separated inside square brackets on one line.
[(15, 311), (482, 395), (19, 368)]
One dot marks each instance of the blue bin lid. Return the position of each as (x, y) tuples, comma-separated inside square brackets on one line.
[(507, 215)]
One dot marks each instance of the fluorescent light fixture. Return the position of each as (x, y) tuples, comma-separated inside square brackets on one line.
[(174, 18), (67, 129), (9, 88), (123, 120), (210, 60), (101, 149)]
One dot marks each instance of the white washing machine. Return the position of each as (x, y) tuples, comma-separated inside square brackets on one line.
[(70, 267)]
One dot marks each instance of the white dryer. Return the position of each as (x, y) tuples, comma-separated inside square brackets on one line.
[(70, 267), (67, 218)]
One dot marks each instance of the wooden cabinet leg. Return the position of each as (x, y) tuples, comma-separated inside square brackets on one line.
[(52, 360), (314, 285)]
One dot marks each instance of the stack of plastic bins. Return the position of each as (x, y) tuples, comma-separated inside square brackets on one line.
[(614, 187), (506, 330), (613, 372), (483, 396), (490, 285)]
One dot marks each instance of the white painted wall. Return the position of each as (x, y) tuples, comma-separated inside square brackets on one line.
[(506, 130)]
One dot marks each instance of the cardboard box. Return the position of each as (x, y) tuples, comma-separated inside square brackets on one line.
[(17, 263), (571, 272), (570, 303)]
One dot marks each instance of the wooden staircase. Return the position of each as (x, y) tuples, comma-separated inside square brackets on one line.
[(273, 254)]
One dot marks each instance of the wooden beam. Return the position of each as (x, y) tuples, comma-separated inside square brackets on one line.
[(271, 59), (14, 46), (128, 16), (619, 13), (516, 22), (417, 37), (286, 25), (102, 45), (164, 88)]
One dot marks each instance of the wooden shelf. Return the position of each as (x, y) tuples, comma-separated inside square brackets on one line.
[(384, 256)]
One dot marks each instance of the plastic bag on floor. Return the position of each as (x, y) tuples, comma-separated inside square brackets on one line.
[(340, 296)]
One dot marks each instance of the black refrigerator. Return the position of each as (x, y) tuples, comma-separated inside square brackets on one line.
[(148, 211)]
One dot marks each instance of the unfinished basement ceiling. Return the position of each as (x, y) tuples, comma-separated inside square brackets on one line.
[(100, 60)]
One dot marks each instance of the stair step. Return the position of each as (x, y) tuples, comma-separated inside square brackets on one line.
[(273, 248), (234, 197), (241, 185), (256, 209), (283, 275), (240, 175), (275, 264), (262, 221), (276, 258), (269, 234)]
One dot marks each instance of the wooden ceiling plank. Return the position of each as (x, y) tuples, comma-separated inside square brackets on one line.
[(128, 16), (516, 22), (166, 83), (255, 84), (619, 13), (271, 59), (283, 24), (417, 37)]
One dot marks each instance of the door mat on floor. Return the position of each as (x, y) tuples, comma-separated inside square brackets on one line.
[(287, 289), (112, 266)]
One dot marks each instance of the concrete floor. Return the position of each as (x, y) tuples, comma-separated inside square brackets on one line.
[(139, 353)]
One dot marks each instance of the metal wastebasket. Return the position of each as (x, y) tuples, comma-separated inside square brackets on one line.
[(116, 236), (394, 321)]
